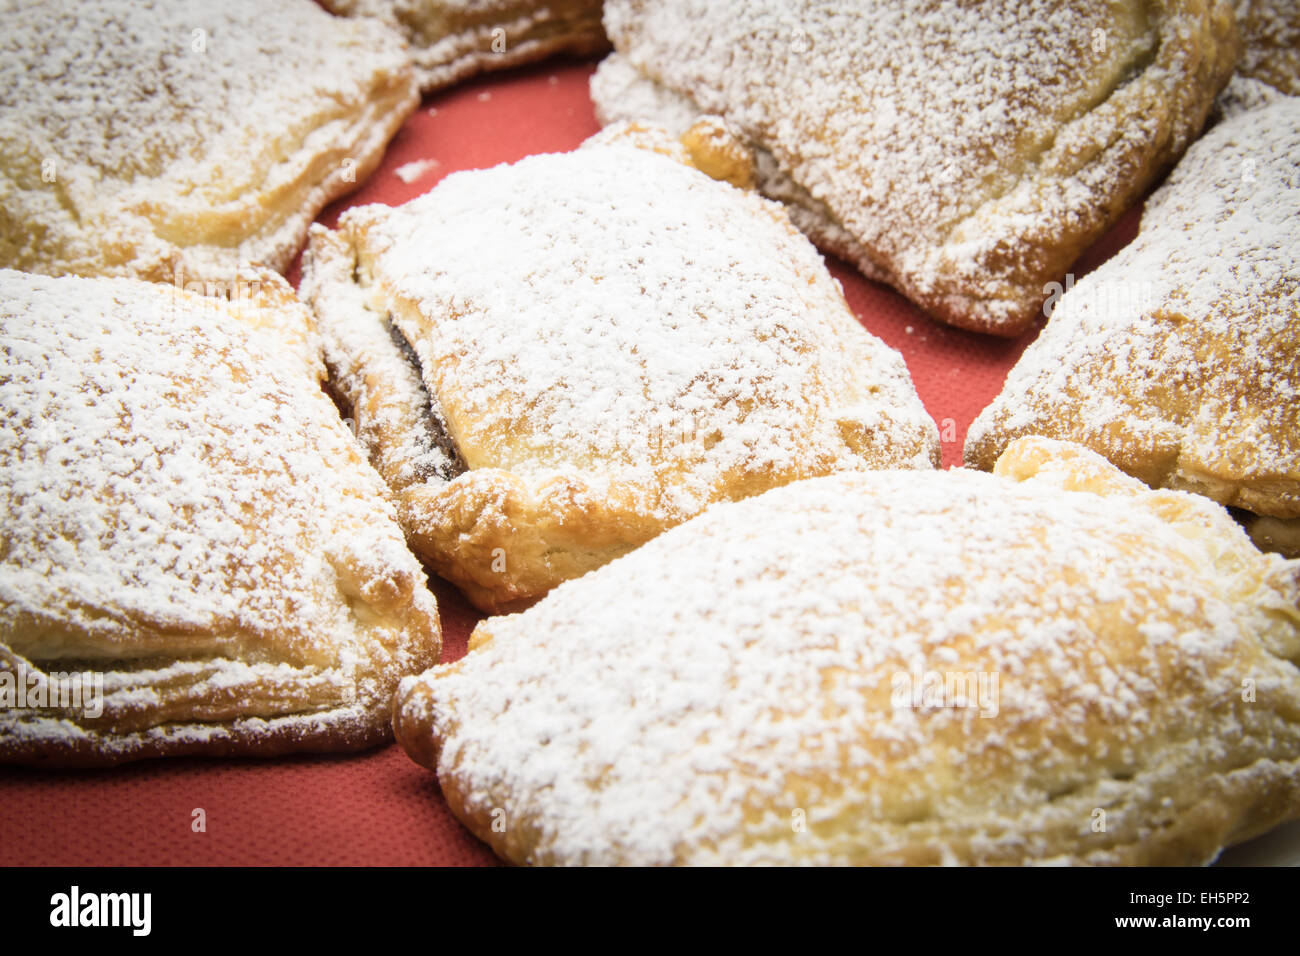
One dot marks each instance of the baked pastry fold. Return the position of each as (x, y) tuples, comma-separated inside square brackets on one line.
[(966, 153), (1048, 665), (454, 39), (1179, 358), (196, 557), (185, 140), (551, 362), (1270, 39)]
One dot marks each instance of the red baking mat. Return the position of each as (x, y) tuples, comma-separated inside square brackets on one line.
[(380, 808)]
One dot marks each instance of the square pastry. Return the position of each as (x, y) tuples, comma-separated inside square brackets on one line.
[(552, 362), (182, 139), (196, 557)]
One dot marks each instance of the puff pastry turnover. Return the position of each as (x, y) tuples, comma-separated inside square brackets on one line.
[(454, 39), (1179, 358), (964, 152), (182, 139), (195, 557), (1050, 665), (551, 362)]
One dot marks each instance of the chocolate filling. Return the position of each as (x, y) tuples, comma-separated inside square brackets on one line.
[(439, 456)]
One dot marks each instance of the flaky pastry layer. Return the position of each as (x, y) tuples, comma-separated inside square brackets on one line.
[(454, 39), (964, 152), (196, 557), (1052, 664), (1179, 358), (185, 140), (606, 342)]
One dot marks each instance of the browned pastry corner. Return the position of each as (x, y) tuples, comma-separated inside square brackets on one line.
[(1270, 36), (196, 557), (554, 361), (964, 152), (1179, 358), (454, 39), (1052, 664), (1274, 534), (185, 140)]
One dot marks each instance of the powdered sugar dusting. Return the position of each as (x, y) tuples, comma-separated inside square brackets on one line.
[(622, 94), (401, 431), (454, 39), (971, 150), (617, 314), (130, 128), (167, 498), (1179, 359), (683, 702), (1270, 35), (410, 172)]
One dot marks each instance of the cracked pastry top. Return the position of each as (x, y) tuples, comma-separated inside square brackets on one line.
[(184, 139), (964, 152), (189, 523), (454, 39), (1053, 664), (553, 361), (1179, 358)]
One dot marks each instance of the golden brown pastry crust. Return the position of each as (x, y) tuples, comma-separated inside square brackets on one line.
[(189, 523), (1179, 358), (1270, 39), (186, 140), (612, 341), (455, 39), (753, 686), (1281, 535), (964, 152)]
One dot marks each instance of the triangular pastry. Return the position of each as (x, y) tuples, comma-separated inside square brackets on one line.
[(454, 39), (553, 361), (1179, 358), (1052, 664), (195, 557), (966, 153), (183, 140)]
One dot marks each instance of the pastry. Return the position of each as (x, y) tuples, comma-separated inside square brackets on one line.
[(1052, 664), (195, 557), (1179, 358), (1270, 36), (454, 39), (553, 361), (181, 141), (965, 153)]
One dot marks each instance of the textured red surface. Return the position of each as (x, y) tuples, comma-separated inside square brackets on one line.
[(380, 808)]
